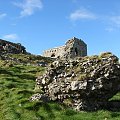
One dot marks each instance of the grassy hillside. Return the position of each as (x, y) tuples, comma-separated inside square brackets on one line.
[(17, 85)]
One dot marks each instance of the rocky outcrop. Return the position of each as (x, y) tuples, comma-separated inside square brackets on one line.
[(84, 83), (10, 47)]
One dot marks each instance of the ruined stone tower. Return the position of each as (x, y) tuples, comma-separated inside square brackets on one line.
[(73, 48)]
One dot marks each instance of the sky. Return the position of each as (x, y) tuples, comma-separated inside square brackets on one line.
[(44, 24)]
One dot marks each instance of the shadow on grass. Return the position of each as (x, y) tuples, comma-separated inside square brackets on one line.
[(11, 79), (17, 69), (10, 85), (114, 114), (48, 108), (35, 106), (113, 105), (70, 112), (25, 92), (3, 71), (26, 76)]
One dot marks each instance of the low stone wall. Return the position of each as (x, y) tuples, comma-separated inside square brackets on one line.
[(55, 52), (84, 84)]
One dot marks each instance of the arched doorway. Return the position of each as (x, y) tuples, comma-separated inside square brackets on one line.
[(76, 52), (53, 55)]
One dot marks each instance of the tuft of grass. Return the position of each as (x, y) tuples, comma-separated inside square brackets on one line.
[(105, 54)]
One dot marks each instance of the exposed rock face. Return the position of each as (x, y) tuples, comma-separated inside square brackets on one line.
[(9, 47), (84, 84)]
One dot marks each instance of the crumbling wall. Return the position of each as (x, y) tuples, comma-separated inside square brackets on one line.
[(84, 84), (55, 52), (73, 48), (9, 47)]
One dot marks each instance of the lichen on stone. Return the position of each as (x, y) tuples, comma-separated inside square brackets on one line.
[(89, 82)]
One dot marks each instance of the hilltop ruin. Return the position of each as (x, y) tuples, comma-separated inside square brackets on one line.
[(73, 48), (10, 47)]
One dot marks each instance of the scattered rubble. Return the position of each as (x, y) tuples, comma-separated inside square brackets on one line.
[(85, 83), (24, 59)]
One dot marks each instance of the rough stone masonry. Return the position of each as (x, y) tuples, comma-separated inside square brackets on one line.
[(86, 83), (10, 47), (73, 48)]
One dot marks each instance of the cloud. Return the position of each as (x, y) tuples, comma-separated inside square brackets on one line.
[(115, 20), (13, 37), (29, 7), (82, 14), (109, 29), (3, 15)]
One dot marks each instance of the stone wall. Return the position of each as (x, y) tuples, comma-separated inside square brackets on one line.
[(9, 47), (73, 48), (85, 83), (55, 52)]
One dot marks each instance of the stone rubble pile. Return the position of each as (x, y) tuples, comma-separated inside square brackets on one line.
[(24, 59), (8, 59), (85, 83)]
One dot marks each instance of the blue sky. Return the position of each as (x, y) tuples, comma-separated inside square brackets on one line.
[(44, 24)]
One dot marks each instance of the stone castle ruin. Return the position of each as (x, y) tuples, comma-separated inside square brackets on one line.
[(9, 47), (73, 48)]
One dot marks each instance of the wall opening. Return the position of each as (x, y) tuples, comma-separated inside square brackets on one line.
[(53, 55), (58, 56), (76, 52)]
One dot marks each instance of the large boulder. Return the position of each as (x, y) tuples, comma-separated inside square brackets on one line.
[(85, 83)]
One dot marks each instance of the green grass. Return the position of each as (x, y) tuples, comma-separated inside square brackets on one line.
[(33, 59), (17, 85)]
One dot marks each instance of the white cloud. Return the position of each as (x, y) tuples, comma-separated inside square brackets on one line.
[(3, 15), (116, 20), (29, 7), (82, 14), (109, 29), (13, 37)]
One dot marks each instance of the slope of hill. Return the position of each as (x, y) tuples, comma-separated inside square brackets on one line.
[(26, 59), (17, 83)]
